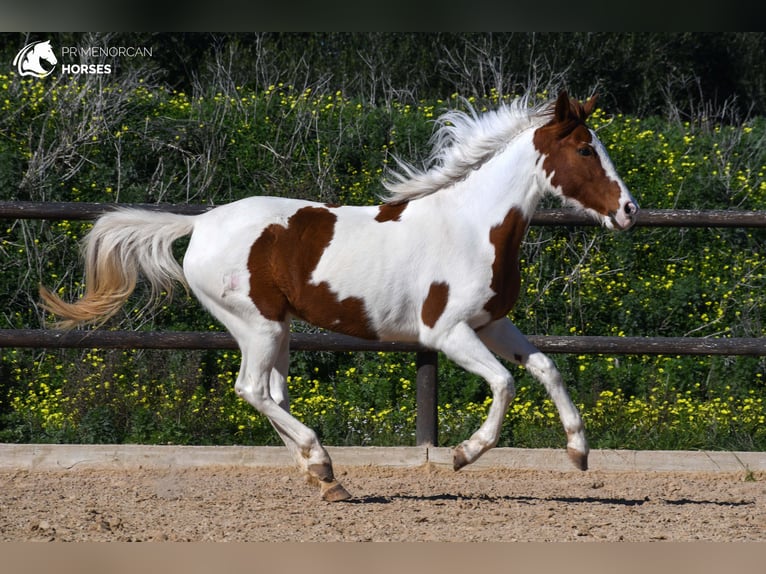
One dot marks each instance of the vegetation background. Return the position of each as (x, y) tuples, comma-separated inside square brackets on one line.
[(210, 118)]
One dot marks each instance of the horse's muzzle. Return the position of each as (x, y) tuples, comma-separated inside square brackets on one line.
[(626, 217)]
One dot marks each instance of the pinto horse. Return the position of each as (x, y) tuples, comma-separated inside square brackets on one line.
[(437, 263)]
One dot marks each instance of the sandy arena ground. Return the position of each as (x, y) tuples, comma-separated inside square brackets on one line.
[(425, 503)]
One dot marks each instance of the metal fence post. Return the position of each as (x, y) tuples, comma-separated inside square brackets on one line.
[(427, 421)]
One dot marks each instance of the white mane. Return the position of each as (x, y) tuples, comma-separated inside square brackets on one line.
[(462, 142)]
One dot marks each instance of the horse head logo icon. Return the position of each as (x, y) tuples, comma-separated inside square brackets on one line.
[(29, 60)]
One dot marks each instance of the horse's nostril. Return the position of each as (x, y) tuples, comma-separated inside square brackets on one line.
[(630, 208)]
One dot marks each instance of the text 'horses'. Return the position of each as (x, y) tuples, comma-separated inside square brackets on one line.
[(438, 263)]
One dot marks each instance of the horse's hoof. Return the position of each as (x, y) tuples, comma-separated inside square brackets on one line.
[(580, 459), (322, 472), (334, 492), (459, 459)]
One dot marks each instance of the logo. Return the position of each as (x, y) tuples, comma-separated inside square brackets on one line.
[(29, 60), (38, 60)]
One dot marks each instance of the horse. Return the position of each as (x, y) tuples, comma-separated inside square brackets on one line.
[(436, 262), (28, 60)]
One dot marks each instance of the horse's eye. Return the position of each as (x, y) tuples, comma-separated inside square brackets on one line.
[(584, 151)]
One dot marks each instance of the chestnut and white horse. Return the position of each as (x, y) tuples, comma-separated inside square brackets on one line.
[(437, 263)]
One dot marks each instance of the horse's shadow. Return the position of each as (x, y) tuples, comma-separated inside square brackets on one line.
[(607, 501)]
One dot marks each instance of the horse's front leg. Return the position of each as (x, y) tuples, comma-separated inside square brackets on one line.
[(461, 344), (505, 339)]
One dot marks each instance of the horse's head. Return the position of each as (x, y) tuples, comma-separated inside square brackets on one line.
[(577, 167)]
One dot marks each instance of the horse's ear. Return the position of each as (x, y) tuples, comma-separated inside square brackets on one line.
[(563, 108), (590, 105)]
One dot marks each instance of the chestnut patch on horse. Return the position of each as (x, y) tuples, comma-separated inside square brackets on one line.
[(506, 276), (281, 262), (390, 211), (435, 303)]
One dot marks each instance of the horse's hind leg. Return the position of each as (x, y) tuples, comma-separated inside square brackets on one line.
[(504, 338), (224, 289), (279, 393), (323, 472), (262, 373), (262, 382)]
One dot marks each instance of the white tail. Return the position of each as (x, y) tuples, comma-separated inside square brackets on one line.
[(121, 244)]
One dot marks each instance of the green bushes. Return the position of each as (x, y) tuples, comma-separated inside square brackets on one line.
[(163, 397), (136, 142)]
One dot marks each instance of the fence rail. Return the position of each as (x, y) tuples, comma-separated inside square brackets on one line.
[(426, 359), (189, 340), (646, 217)]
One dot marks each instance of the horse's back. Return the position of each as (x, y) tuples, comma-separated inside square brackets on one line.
[(334, 266)]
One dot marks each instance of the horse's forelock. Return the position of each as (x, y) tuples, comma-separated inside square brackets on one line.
[(577, 114)]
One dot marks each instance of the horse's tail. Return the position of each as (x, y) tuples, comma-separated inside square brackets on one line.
[(121, 244)]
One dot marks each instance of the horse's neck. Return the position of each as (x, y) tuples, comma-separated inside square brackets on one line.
[(508, 181)]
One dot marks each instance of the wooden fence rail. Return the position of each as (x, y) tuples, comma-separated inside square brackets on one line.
[(91, 339), (646, 218), (426, 359)]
